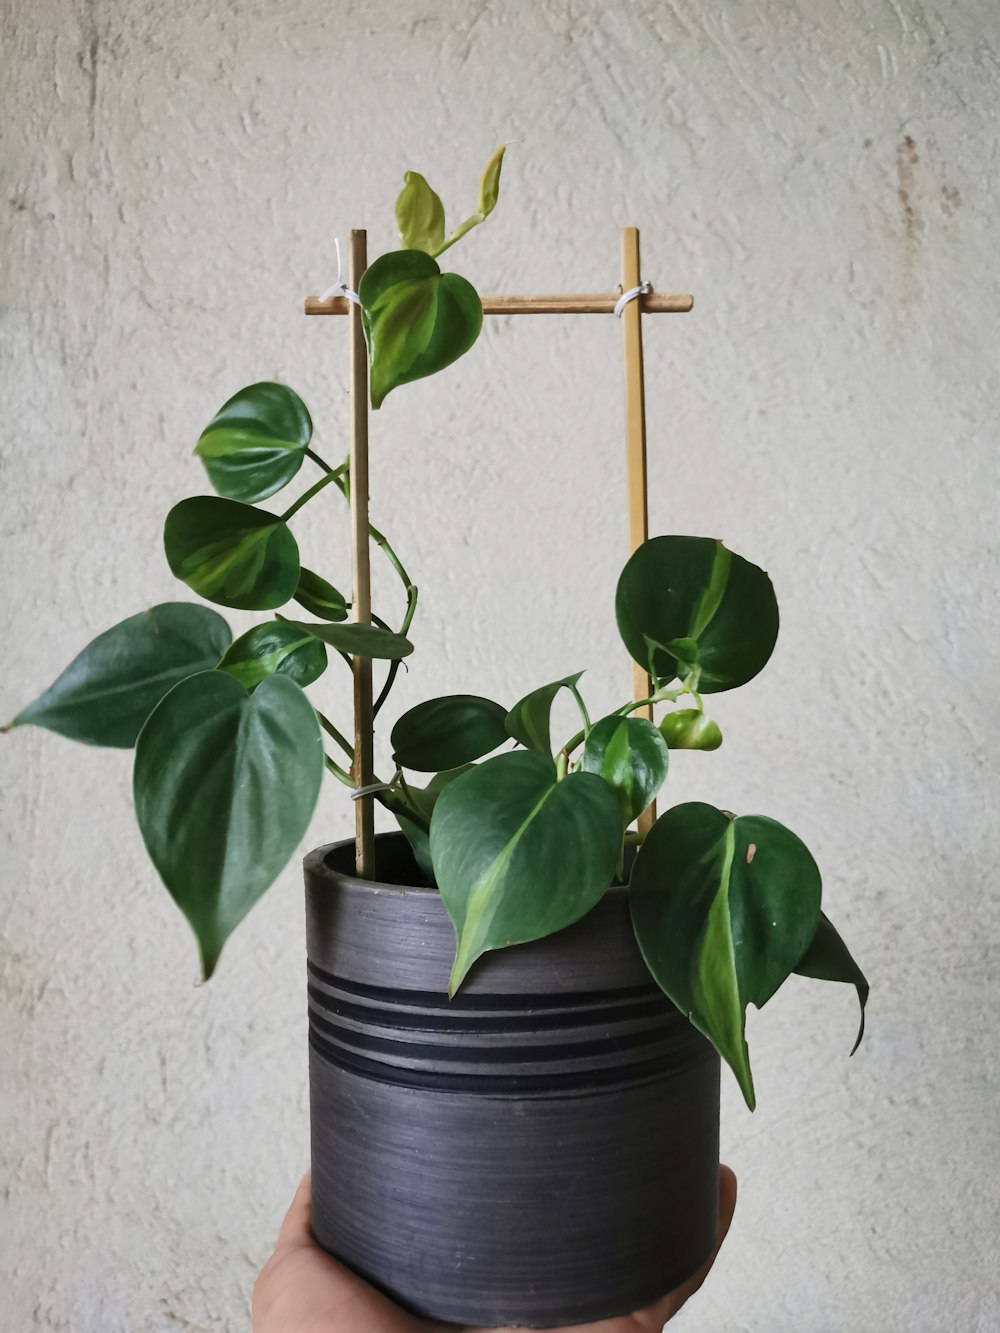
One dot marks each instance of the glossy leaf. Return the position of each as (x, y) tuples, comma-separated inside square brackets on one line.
[(414, 814), (320, 598), (529, 721), (631, 756), (828, 959), (417, 319), (277, 647), (107, 691), (419, 215), (358, 640), (447, 732), (689, 729), (231, 553), (723, 911), (706, 609), (255, 443), (489, 186), (225, 783), (518, 855)]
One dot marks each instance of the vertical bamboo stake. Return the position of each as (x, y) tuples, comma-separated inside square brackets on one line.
[(635, 451), (363, 767)]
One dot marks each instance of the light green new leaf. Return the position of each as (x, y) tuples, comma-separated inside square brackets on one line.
[(723, 910), (277, 647), (225, 783), (448, 732), (689, 729), (255, 443), (417, 319), (320, 598), (231, 553), (828, 959), (529, 721), (489, 186), (631, 756), (419, 215), (358, 640), (107, 691), (518, 855), (689, 603)]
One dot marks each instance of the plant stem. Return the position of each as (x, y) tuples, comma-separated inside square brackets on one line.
[(331, 730), (308, 495), (583, 710), (459, 232), (338, 772)]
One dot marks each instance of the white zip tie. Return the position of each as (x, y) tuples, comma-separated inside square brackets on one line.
[(374, 787), (643, 289), (340, 287)]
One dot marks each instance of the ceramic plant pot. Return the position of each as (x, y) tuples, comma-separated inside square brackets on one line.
[(541, 1150)]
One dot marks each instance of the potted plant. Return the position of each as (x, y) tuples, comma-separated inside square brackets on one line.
[(501, 1134)]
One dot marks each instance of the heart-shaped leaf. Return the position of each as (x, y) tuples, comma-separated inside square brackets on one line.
[(448, 732), (828, 959), (688, 603), (256, 442), (518, 855), (690, 729), (277, 647), (417, 319), (107, 691), (358, 640), (231, 553), (320, 598), (225, 783), (529, 721), (419, 215), (723, 911), (631, 756)]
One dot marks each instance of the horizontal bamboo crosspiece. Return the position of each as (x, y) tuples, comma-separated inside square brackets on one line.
[(587, 303)]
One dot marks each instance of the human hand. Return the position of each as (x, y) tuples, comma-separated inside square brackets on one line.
[(302, 1290)]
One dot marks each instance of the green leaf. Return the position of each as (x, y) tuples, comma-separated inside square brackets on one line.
[(489, 186), (231, 553), (701, 607), (419, 840), (417, 319), (107, 691), (358, 640), (320, 598), (518, 855), (419, 215), (689, 729), (225, 783), (256, 442), (828, 959), (529, 721), (723, 911), (275, 647), (447, 732), (414, 814), (631, 756)]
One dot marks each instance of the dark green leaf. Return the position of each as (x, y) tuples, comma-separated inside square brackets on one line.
[(277, 647), (419, 215), (358, 640), (414, 814), (417, 319), (631, 756), (723, 910), (448, 732), (422, 800), (705, 607), (256, 442), (419, 840), (828, 959), (518, 855), (689, 729), (529, 720), (107, 692), (225, 783), (231, 553), (320, 598)]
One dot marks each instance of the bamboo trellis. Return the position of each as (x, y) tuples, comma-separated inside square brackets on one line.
[(593, 303)]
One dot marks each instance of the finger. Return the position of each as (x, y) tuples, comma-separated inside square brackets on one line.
[(296, 1229)]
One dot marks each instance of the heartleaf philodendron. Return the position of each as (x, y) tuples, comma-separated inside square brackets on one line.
[(319, 598), (529, 721), (690, 729), (828, 959), (231, 553), (419, 216), (255, 443), (448, 732), (276, 647), (632, 758)]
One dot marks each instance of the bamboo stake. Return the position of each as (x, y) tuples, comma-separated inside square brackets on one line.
[(363, 768), (635, 452), (587, 303)]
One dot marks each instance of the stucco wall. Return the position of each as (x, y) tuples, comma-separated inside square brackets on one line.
[(822, 178)]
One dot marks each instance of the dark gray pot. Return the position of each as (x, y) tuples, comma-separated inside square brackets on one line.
[(541, 1150)]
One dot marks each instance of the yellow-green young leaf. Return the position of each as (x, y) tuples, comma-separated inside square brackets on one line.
[(689, 729), (419, 215), (489, 186)]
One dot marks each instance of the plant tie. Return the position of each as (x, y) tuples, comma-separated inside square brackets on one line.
[(340, 287), (643, 289)]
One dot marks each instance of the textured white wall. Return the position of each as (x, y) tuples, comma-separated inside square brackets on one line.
[(821, 176)]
